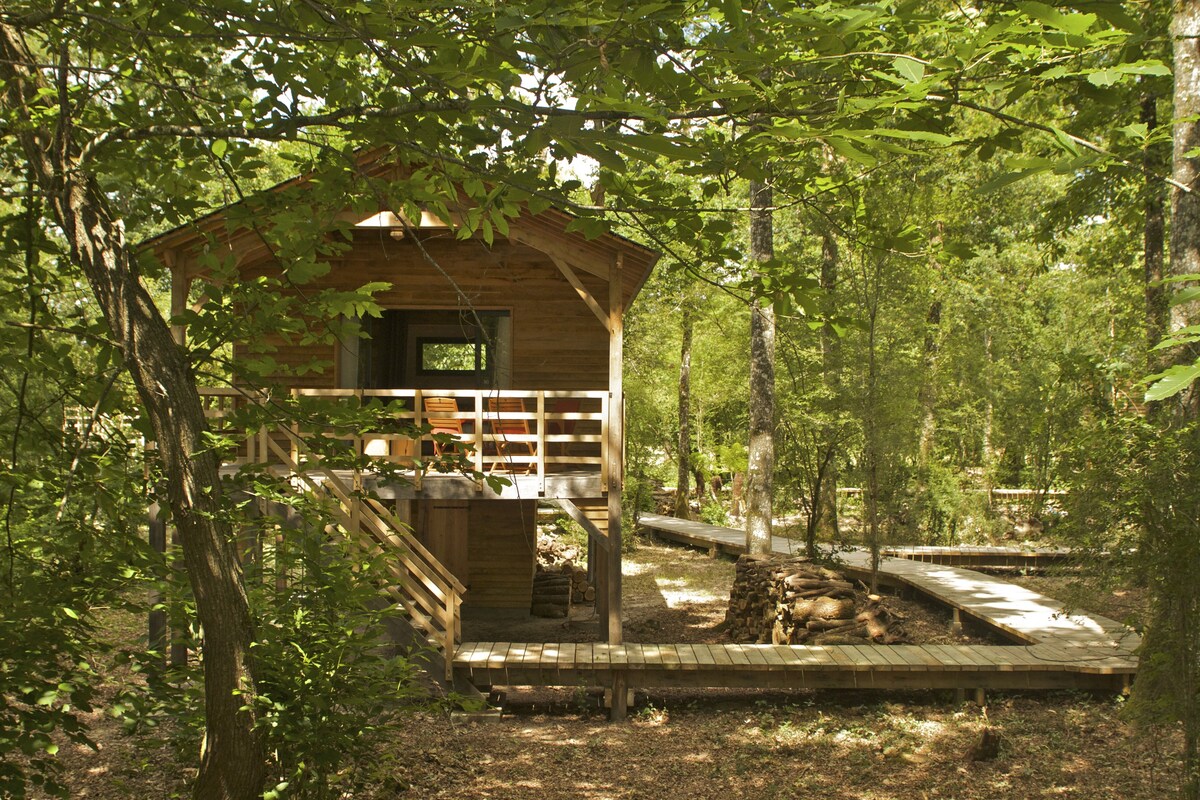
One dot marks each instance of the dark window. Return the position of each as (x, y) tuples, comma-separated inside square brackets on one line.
[(418, 349)]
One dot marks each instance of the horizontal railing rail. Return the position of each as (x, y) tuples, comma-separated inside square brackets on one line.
[(497, 431)]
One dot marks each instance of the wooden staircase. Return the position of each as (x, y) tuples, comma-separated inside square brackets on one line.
[(429, 594)]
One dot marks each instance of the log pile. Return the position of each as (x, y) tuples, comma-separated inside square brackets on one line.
[(558, 581), (551, 594), (793, 601)]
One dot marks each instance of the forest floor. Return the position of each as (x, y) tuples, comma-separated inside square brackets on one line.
[(721, 743)]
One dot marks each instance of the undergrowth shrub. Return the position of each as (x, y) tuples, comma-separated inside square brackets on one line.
[(329, 688)]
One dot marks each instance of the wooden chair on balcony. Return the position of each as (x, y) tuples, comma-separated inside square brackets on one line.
[(435, 409), (503, 428)]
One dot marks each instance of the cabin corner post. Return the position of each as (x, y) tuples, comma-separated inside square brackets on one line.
[(616, 474)]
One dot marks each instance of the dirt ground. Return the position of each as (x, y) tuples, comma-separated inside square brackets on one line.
[(717, 744)]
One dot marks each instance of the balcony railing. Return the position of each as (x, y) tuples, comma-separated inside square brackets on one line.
[(498, 432)]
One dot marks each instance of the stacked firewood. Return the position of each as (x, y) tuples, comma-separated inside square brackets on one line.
[(551, 594), (558, 582), (793, 601), (552, 552)]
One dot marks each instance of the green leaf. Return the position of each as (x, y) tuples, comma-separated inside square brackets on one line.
[(848, 151), (1172, 381), (912, 71), (1188, 295), (1073, 24), (219, 146), (1000, 181)]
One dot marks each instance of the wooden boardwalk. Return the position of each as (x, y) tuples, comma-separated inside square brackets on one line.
[(1057, 650)]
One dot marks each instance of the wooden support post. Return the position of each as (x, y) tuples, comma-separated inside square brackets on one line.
[(181, 286), (980, 697), (158, 617), (956, 626), (616, 474), (620, 698)]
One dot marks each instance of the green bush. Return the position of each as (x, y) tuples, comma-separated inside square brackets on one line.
[(714, 514), (328, 688)]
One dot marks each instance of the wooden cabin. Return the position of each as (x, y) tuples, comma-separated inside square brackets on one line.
[(512, 349)]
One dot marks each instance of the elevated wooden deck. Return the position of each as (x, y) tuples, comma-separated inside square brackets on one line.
[(984, 557), (1024, 615), (787, 666), (1057, 651)]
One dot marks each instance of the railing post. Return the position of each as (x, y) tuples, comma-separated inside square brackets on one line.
[(294, 439), (451, 626), (477, 457), (604, 401), (419, 442), (541, 441)]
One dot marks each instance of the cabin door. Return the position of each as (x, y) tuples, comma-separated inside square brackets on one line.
[(443, 531)]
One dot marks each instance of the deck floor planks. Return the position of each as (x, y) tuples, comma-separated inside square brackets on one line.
[(721, 655), (704, 656), (737, 655), (566, 656), (670, 656), (636, 653), (775, 662), (756, 656), (600, 656), (687, 657), (652, 655), (1078, 644)]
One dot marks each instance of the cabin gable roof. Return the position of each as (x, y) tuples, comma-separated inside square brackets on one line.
[(545, 232)]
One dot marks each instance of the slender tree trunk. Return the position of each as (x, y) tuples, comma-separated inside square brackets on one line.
[(1171, 650), (1153, 228), (682, 506), (1181, 601), (988, 454), (831, 369), (928, 391), (759, 475), (232, 763), (871, 454)]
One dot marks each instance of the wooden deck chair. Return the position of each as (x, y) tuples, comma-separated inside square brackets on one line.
[(502, 428), (434, 408)]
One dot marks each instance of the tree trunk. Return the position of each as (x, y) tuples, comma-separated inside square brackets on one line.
[(759, 474), (831, 368), (682, 506), (1153, 227), (928, 391), (1171, 651), (871, 452), (232, 762), (1185, 260)]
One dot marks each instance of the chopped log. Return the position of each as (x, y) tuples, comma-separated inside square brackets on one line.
[(830, 624)]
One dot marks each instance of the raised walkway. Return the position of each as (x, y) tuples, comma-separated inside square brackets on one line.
[(1055, 650)]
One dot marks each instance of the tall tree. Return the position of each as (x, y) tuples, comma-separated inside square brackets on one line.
[(232, 760), (687, 324), (760, 474), (1172, 650)]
